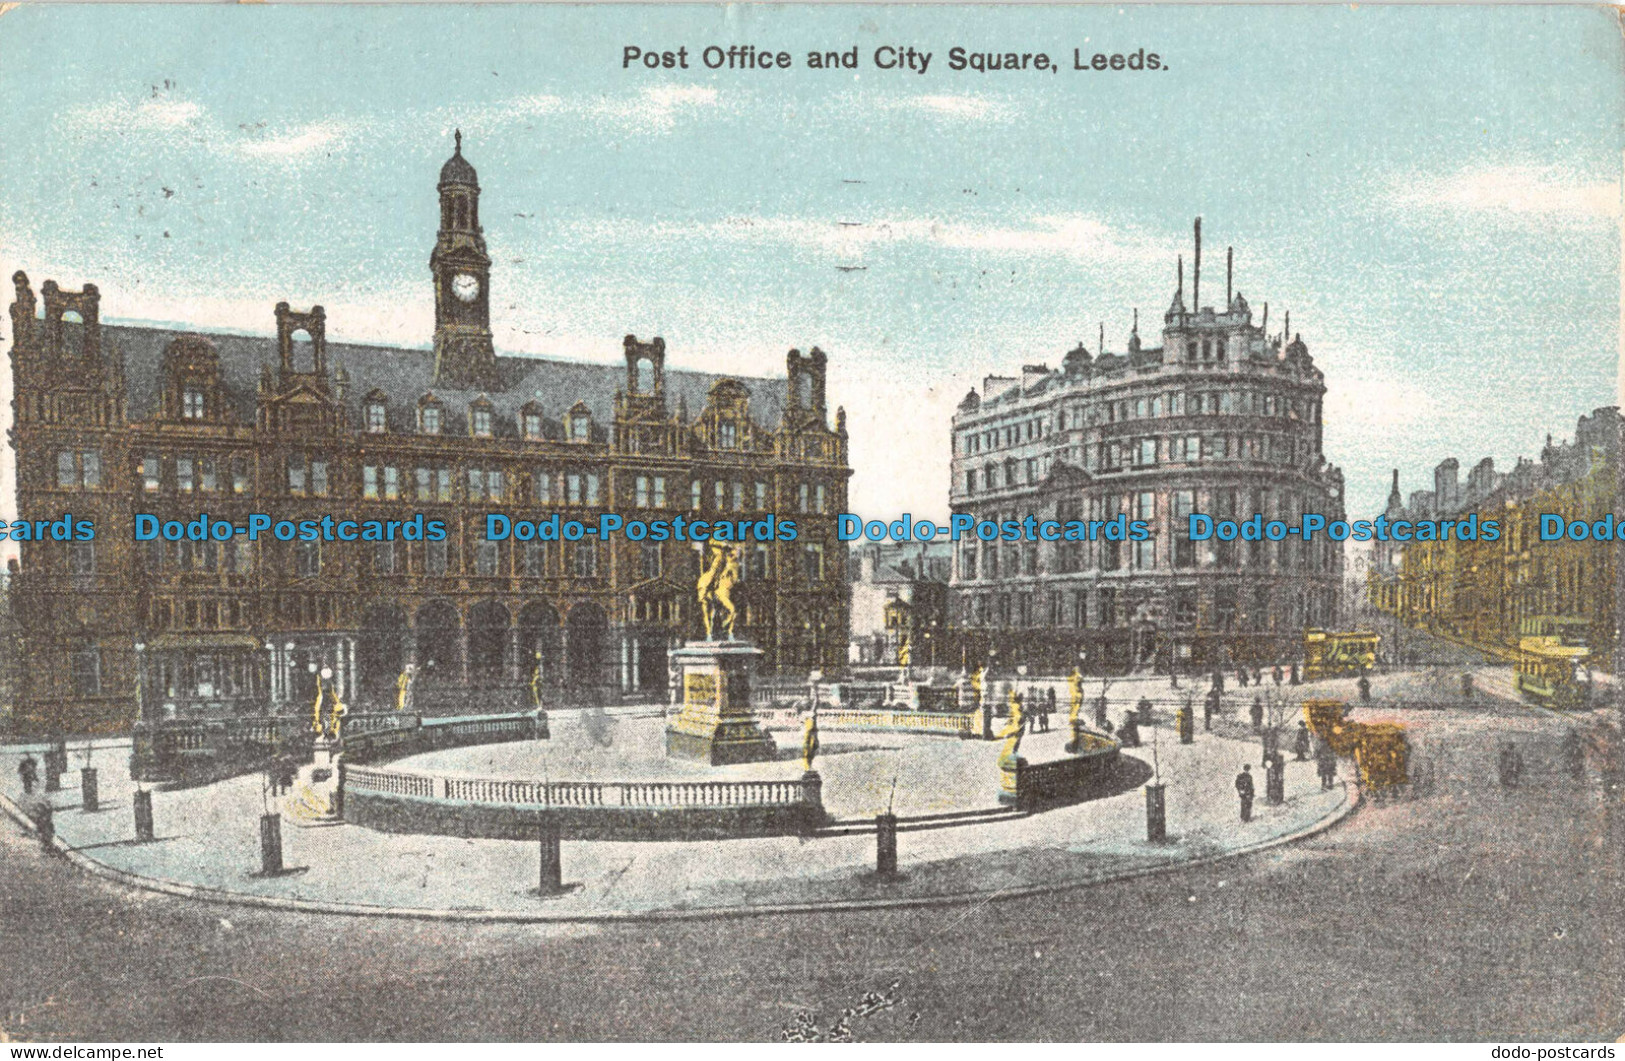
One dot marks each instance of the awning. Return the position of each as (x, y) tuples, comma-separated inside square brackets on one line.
[(171, 642)]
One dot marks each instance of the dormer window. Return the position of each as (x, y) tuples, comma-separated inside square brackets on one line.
[(728, 436), (192, 404), (481, 423), (578, 423), (377, 418), (533, 426), (429, 419)]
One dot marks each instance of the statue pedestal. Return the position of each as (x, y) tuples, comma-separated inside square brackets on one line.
[(716, 724)]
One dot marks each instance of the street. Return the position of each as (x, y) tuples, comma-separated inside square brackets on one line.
[(1470, 913)]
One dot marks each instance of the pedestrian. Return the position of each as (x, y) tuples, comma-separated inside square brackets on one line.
[(1049, 707), (1574, 754), (1510, 764), (1365, 689), (1144, 708), (1257, 714), (28, 770), (1244, 789), (1218, 680), (1325, 764), (1210, 707), (1277, 674), (1129, 732), (1300, 743), (1294, 674), (1100, 713), (1241, 677), (1258, 676)]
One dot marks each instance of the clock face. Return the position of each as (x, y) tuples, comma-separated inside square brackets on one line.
[(465, 287)]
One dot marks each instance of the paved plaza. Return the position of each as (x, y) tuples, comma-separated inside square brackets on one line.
[(207, 837)]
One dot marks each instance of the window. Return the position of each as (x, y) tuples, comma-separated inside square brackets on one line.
[(727, 436), (307, 559), (239, 476), (429, 419), (151, 474), (813, 561), (296, 475), (739, 497), (476, 484), (67, 476), (696, 494), (90, 463), (535, 559), (242, 557), (1184, 505), (318, 478), (659, 491), (183, 475), (1145, 505), (208, 481), (434, 558), (640, 492), (482, 423), (1148, 451), (586, 559), (192, 404), (87, 672), (383, 558), (82, 558), (369, 482), (1145, 554), (650, 559), (967, 563), (722, 495), (970, 481), (377, 418), (1184, 551), (392, 484), (801, 498), (533, 425), (544, 488), (580, 429), (485, 558), (756, 561)]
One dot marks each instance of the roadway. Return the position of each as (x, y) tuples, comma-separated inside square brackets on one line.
[(1468, 913)]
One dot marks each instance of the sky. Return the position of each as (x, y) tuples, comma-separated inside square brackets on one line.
[(1433, 193)]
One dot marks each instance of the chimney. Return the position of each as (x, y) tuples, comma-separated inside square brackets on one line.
[(1196, 272)]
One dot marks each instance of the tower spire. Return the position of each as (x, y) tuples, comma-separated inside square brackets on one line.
[(1196, 272), (1102, 346), (1229, 271)]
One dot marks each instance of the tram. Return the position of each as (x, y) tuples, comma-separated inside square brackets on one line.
[(1551, 665), (1338, 654)]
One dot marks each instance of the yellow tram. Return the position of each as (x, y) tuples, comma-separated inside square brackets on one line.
[(1551, 665), (1338, 654)]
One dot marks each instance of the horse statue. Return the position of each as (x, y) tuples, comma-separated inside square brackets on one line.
[(715, 591)]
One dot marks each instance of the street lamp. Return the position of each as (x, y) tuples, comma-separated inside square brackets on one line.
[(141, 680)]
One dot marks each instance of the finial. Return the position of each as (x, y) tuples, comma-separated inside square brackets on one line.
[(1136, 329), (1102, 347), (457, 139)]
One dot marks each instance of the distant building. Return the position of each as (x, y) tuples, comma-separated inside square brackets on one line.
[(1479, 592), (900, 596), (1222, 418), (112, 420)]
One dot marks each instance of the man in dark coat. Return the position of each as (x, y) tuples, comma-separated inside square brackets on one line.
[(28, 770), (1257, 714), (1244, 789), (1210, 707), (1300, 743), (1325, 764)]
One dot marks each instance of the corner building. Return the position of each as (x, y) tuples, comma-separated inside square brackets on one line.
[(113, 420), (1222, 418)]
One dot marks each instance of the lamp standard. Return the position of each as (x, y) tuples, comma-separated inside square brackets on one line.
[(141, 680)]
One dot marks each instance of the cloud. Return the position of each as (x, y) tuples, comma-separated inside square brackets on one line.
[(293, 143), (1515, 193), (961, 108), (1076, 236), (162, 113)]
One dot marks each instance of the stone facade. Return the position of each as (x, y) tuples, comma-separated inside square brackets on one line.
[(1479, 592), (1222, 418), (113, 420)]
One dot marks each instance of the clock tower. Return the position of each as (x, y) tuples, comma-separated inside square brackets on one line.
[(464, 357)]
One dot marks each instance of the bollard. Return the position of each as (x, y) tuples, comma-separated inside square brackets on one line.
[(551, 878), (89, 797), (1275, 782), (886, 845), (1156, 813), (45, 824), (270, 844), (143, 816)]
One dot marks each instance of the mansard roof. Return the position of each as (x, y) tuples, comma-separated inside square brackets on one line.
[(404, 375)]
